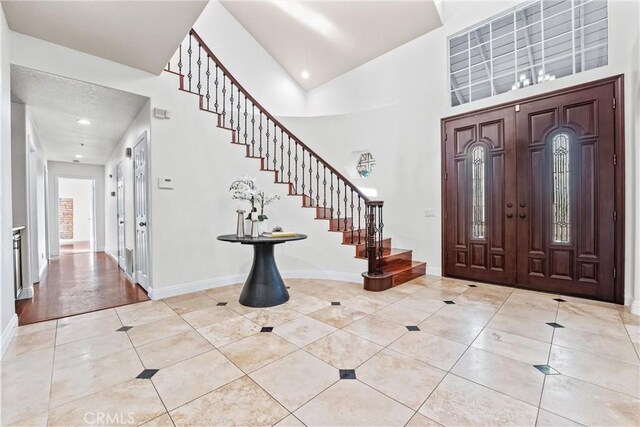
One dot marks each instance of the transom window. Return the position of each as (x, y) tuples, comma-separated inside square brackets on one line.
[(478, 192), (561, 208), (538, 41)]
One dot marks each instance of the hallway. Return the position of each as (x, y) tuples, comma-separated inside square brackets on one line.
[(78, 283)]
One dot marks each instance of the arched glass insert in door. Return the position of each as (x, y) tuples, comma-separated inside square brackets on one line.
[(478, 192), (561, 208)]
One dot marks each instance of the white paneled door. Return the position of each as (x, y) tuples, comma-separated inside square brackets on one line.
[(141, 197)]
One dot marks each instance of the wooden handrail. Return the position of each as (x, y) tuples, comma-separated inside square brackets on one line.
[(230, 76)]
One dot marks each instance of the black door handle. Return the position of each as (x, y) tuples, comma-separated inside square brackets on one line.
[(121, 222), (522, 215), (509, 215), (523, 205), (142, 224)]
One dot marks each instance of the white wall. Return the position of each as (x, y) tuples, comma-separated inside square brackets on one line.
[(393, 105), (8, 317), (141, 124), (75, 170), (81, 191)]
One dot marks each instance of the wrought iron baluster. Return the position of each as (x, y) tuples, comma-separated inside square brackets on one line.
[(253, 130), (180, 63), (199, 69), (338, 200), (267, 144), (359, 215), (317, 183), (231, 107), (303, 173), (331, 198), (289, 160), (224, 99), (310, 180), (281, 156), (216, 81), (189, 52), (380, 234), (324, 186), (208, 74), (260, 135), (296, 168), (275, 148), (238, 107), (352, 219), (345, 206), (245, 121)]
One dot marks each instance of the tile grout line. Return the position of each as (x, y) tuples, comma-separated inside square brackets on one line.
[(544, 380)]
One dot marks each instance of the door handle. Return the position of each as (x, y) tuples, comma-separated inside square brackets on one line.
[(121, 222), (522, 215), (509, 205), (523, 205), (509, 215), (142, 224)]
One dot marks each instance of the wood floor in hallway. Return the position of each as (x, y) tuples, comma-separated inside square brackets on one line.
[(78, 283)]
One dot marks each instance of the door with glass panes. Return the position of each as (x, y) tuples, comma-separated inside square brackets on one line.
[(530, 195)]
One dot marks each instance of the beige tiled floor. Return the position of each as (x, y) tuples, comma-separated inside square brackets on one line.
[(470, 363)]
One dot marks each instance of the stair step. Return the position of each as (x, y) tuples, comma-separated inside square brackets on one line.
[(352, 235), (393, 254), (397, 275), (361, 248)]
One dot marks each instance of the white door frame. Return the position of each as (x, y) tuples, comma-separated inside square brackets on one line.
[(146, 284), (120, 208), (93, 206), (32, 210)]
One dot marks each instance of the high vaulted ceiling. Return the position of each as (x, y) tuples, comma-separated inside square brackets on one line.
[(328, 38), (57, 103), (140, 34)]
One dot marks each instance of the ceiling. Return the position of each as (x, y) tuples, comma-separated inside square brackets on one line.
[(328, 38), (56, 103), (140, 34)]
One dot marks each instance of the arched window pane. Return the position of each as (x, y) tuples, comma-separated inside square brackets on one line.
[(478, 191), (561, 213)]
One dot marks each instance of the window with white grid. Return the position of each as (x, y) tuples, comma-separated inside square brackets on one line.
[(535, 42)]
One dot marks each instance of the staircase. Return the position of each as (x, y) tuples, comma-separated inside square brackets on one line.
[(322, 188)]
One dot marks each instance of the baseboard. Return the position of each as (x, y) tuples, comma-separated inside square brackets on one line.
[(8, 333), (112, 256), (187, 288), (43, 270), (634, 307), (25, 293), (434, 271)]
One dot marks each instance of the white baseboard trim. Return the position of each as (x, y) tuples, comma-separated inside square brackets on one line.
[(43, 270), (187, 288), (8, 333), (112, 256), (26, 292), (634, 307), (434, 271)]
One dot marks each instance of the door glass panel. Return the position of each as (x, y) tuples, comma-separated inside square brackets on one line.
[(561, 205), (478, 184)]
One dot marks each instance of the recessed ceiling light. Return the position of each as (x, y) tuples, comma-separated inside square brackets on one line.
[(78, 156), (84, 122), (305, 74)]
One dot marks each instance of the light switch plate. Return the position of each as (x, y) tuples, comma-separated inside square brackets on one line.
[(165, 183)]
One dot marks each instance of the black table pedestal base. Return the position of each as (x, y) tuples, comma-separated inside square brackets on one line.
[(264, 286)]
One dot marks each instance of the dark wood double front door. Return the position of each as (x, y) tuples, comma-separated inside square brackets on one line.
[(530, 193)]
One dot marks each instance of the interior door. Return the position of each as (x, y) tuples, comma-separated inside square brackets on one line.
[(566, 196), (120, 217), (141, 212), (479, 197)]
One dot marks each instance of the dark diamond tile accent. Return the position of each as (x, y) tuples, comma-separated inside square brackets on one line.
[(147, 374), (555, 325), (124, 329), (288, 287), (335, 303), (412, 328), (546, 369), (559, 300), (449, 302), (221, 303), (267, 329), (473, 286), (347, 374)]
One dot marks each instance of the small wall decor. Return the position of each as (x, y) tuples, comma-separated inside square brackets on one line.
[(365, 165)]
